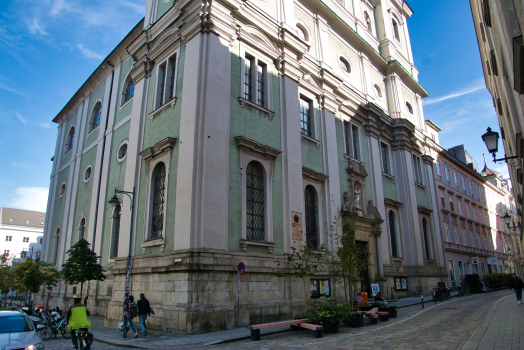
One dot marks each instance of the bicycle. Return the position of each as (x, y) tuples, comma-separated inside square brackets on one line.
[(52, 329), (84, 338)]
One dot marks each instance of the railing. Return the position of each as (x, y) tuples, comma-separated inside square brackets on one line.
[(475, 250)]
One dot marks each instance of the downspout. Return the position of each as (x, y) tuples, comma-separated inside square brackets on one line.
[(100, 170)]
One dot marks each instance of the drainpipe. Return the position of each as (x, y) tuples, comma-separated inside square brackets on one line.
[(100, 170)]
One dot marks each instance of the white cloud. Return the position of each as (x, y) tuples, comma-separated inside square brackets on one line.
[(7, 86), (30, 198), (59, 6), (19, 165), (461, 92), (36, 28), (88, 53), (45, 125), (19, 116)]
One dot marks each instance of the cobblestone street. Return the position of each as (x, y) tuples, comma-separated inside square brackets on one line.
[(447, 325), (483, 321)]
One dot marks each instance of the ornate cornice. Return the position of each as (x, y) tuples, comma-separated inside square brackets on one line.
[(424, 210), (313, 175), (258, 149), (158, 149), (392, 203)]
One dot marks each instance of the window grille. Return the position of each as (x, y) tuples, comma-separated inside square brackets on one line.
[(116, 232), (159, 176), (255, 202), (305, 118), (393, 234), (311, 217)]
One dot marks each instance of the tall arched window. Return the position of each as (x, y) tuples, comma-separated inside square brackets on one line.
[(311, 217), (115, 232), (395, 29), (81, 229), (393, 234), (129, 91), (70, 140), (95, 118), (57, 240), (255, 202), (158, 188), (426, 237)]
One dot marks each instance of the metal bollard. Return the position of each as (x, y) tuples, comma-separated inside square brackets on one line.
[(422, 298)]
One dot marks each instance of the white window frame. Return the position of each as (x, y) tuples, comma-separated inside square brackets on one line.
[(123, 91), (447, 174), (461, 210), (165, 61), (68, 142), (474, 212), (439, 172), (349, 150), (456, 238), (464, 236), (447, 231), (468, 212), (455, 179), (442, 199), (90, 128), (451, 202), (267, 165), (313, 110), (417, 169), (388, 158), (471, 237), (257, 57)]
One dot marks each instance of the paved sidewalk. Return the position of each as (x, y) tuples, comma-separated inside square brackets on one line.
[(161, 340), (501, 328)]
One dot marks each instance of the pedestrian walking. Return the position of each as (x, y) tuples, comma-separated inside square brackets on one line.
[(144, 309), (133, 312), (517, 285)]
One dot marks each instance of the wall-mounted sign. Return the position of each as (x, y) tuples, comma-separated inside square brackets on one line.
[(375, 288), (296, 226), (475, 260), (493, 260)]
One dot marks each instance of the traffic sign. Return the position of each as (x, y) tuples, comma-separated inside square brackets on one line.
[(241, 267)]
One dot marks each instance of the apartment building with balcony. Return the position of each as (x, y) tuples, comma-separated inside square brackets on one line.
[(469, 216)]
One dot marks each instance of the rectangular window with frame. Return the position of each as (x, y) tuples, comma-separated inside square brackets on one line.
[(455, 234), (256, 80), (455, 179), (475, 213), (467, 210), (386, 167), (417, 169), (352, 140), (401, 283), (8, 238), (464, 188), (306, 119), (461, 268), (443, 199), (320, 288), (451, 203), (439, 173), (247, 78), (471, 189), (446, 230), (459, 202), (451, 269), (166, 81), (446, 171), (477, 191), (464, 236)]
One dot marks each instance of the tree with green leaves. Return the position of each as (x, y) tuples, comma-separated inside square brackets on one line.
[(32, 274), (7, 277), (82, 265), (346, 260), (302, 263)]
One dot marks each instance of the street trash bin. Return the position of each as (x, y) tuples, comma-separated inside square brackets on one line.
[(362, 298)]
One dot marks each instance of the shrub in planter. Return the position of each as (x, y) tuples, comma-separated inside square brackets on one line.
[(328, 313), (473, 282), (356, 320)]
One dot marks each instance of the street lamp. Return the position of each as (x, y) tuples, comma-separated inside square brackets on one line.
[(507, 220), (115, 201), (491, 139)]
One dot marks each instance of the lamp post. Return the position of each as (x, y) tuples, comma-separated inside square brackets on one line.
[(507, 220), (114, 201), (491, 139)]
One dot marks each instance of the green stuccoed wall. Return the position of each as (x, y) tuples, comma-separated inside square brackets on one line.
[(84, 191)]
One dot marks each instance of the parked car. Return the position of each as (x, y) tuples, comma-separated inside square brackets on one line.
[(17, 332)]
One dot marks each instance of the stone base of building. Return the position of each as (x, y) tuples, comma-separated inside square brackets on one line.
[(196, 292)]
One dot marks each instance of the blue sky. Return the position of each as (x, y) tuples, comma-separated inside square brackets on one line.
[(48, 48)]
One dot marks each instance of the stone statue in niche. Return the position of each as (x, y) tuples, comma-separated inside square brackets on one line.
[(353, 204), (347, 201)]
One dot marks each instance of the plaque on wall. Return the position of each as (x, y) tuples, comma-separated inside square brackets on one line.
[(296, 226)]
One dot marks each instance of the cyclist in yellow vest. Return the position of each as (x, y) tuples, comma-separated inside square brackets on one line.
[(77, 318)]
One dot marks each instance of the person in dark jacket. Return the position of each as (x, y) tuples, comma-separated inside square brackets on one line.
[(517, 285), (144, 309)]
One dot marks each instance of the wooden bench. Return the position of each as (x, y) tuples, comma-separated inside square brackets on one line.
[(294, 325), (373, 314)]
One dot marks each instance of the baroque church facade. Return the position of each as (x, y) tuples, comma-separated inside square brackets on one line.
[(245, 128)]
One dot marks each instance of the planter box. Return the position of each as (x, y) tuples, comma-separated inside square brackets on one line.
[(329, 326), (366, 308), (391, 309), (356, 321)]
